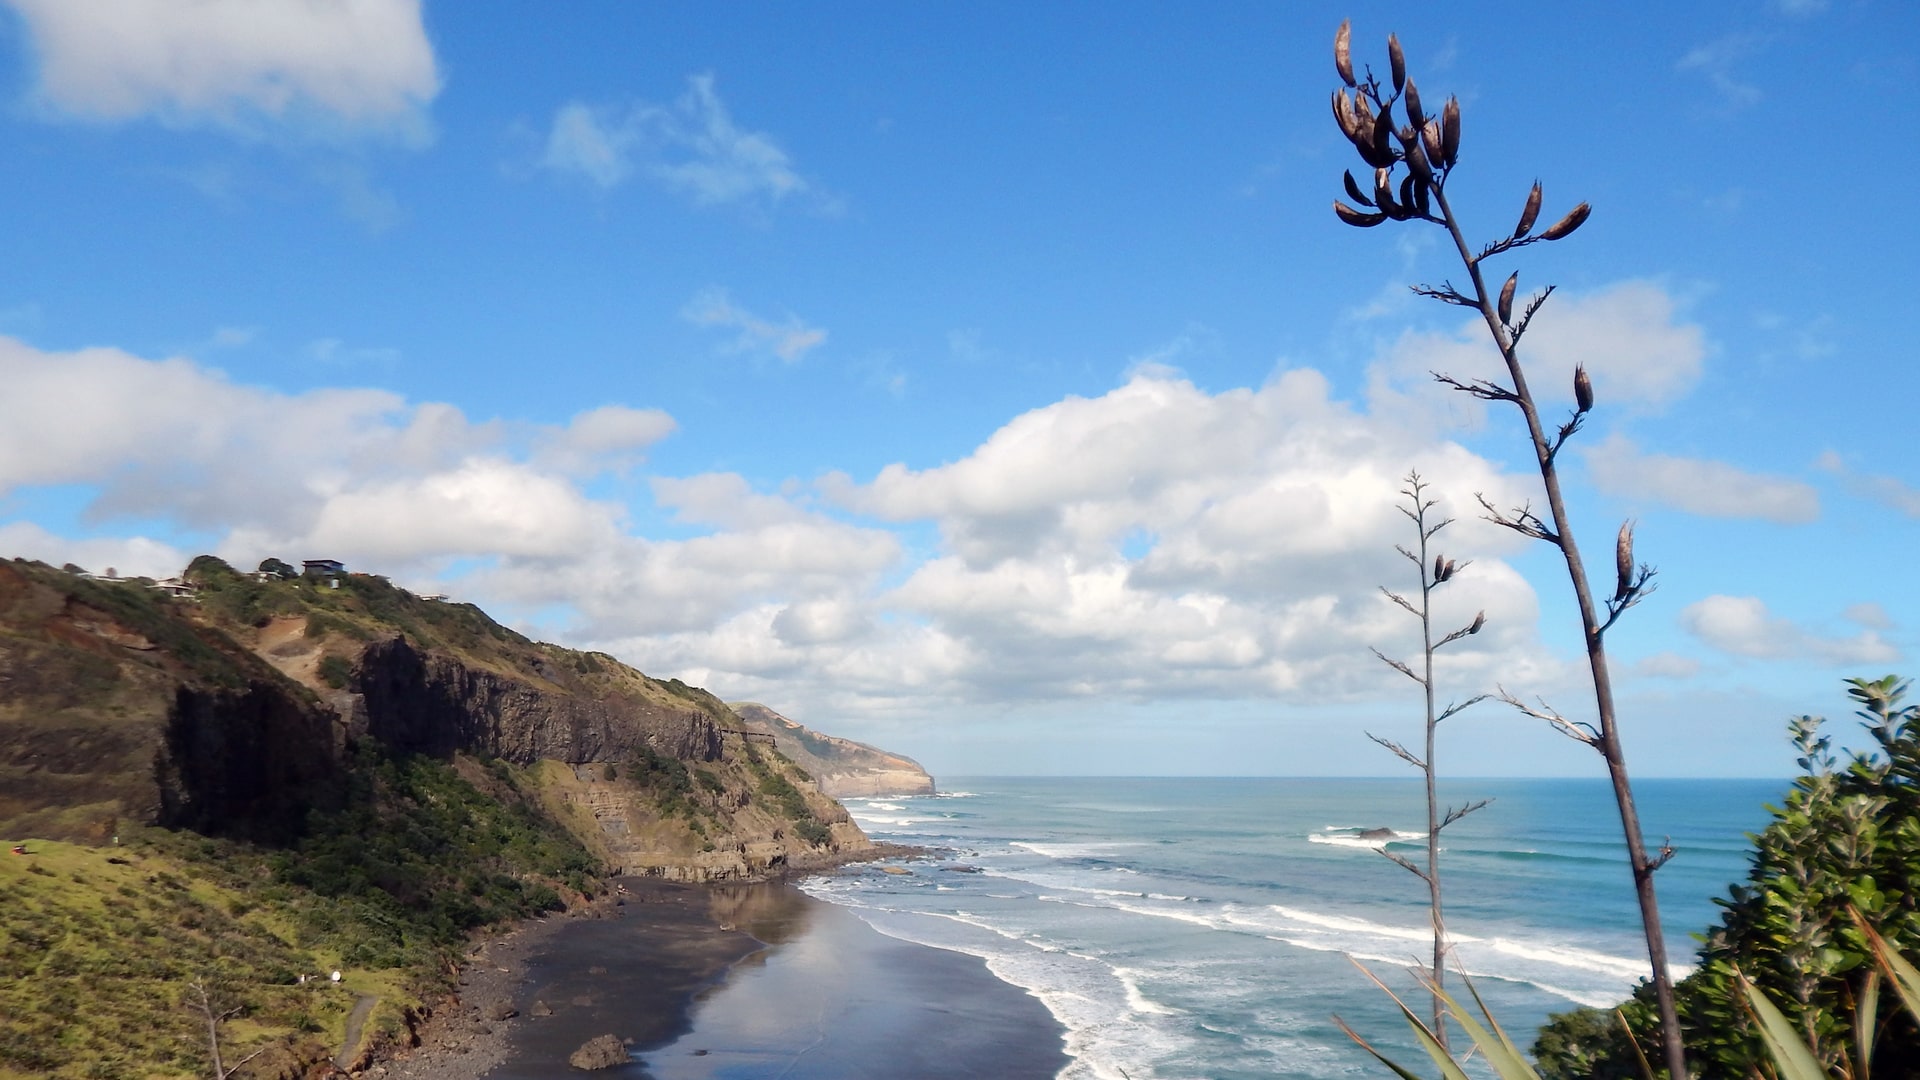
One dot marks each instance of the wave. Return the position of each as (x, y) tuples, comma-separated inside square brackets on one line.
[(1075, 851), (1112, 1023), (1349, 836)]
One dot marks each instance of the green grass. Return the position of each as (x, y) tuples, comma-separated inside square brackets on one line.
[(99, 945)]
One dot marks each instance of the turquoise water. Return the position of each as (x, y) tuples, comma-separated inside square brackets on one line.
[(1203, 927)]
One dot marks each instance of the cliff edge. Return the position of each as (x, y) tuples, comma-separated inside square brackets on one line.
[(843, 768)]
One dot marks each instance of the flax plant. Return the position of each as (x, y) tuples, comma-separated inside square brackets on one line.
[(1411, 166), (1434, 573)]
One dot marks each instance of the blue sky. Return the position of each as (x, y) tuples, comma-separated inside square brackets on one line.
[(989, 382)]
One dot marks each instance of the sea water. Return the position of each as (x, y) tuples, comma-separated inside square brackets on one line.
[(1211, 927)]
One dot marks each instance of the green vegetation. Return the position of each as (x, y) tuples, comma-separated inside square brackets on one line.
[(98, 946), (1847, 839), (791, 801)]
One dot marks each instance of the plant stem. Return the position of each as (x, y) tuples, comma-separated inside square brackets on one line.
[(1609, 735)]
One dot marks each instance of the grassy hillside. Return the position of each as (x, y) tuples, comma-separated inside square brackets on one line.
[(100, 947), (348, 777)]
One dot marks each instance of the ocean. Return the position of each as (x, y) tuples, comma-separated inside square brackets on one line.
[(1203, 927)]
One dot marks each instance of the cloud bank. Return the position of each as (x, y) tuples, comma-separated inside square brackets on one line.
[(349, 67)]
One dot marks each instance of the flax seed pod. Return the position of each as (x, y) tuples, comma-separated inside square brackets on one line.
[(1430, 142), (1397, 60), (1623, 562), (1342, 52), (1353, 188), (1575, 218), (1355, 218), (1506, 298), (1415, 115), (1582, 388), (1450, 132), (1531, 212)]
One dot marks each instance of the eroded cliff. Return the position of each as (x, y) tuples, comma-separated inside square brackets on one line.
[(234, 712), (844, 769)]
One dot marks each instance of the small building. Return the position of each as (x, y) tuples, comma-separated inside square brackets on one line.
[(174, 586), (326, 568)]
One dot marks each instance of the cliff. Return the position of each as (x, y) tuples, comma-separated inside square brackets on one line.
[(236, 711), (843, 768)]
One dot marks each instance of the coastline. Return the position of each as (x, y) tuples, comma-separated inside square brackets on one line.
[(758, 975)]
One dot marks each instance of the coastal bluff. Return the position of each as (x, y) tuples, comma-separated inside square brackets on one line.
[(232, 703), (844, 769)]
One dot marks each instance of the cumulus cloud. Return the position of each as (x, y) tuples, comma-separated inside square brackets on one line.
[(692, 147), (1742, 626), (360, 473), (1711, 488), (788, 339), (1631, 337), (1161, 540), (346, 67)]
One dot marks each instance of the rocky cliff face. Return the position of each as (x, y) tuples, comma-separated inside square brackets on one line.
[(113, 709), (435, 704), (233, 713), (843, 768)]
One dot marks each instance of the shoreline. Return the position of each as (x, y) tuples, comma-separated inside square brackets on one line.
[(664, 965)]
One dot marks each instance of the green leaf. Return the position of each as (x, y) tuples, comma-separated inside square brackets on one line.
[(1791, 1058), (1383, 1059)]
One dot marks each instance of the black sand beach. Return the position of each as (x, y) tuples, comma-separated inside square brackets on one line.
[(728, 983)]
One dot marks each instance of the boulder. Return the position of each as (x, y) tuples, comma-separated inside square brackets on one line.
[(600, 1052)]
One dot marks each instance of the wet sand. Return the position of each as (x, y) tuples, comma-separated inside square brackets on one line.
[(730, 982)]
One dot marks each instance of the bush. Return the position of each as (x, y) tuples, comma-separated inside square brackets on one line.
[(1848, 837)]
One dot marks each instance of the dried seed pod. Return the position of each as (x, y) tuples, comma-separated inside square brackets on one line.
[(1355, 218), (1449, 569), (1353, 188), (1343, 114), (1383, 193), (1623, 561), (1565, 226), (1379, 150), (1342, 52), (1528, 214), (1430, 141), (1582, 388), (1423, 196), (1414, 155), (1479, 621), (1506, 298), (1450, 132), (1409, 195), (1397, 61), (1439, 568), (1415, 115)]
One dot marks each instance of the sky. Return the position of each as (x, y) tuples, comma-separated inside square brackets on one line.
[(989, 382)]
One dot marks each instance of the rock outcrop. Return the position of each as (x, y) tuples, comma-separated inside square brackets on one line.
[(235, 711), (843, 768)]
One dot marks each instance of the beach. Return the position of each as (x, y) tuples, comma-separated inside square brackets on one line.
[(724, 982)]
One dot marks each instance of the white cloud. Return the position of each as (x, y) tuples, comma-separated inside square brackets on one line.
[(1163, 541), (1889, 491), (1711, 488), (1742, 626), (1638, 351), (789, 339), (692, 147), (342, 67), (1717, 61), (135, 556), (360, 473)]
